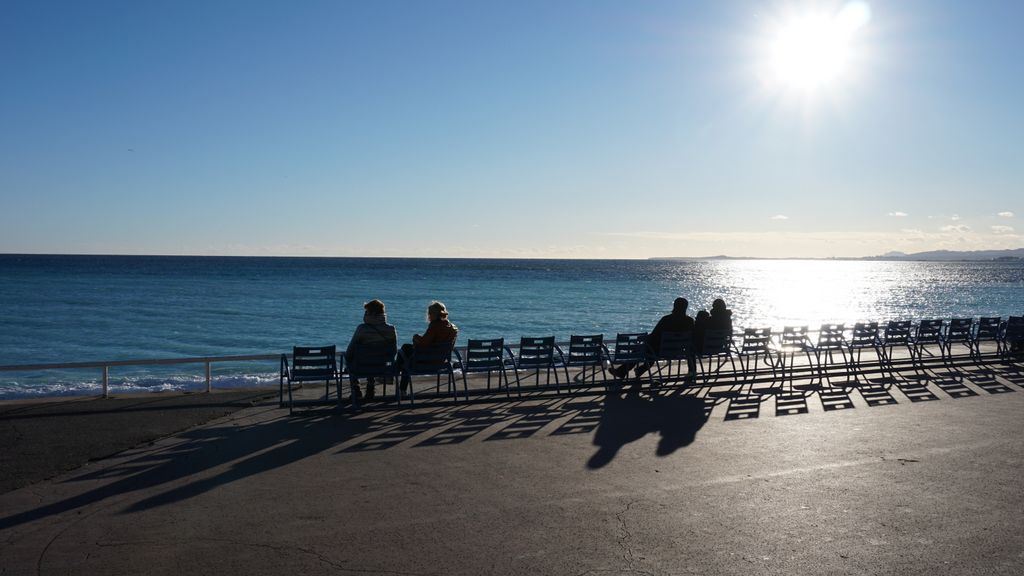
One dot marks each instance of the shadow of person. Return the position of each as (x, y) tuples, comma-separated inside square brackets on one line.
[(627, 419)]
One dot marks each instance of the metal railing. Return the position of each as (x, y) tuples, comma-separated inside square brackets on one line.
[(207, 361)]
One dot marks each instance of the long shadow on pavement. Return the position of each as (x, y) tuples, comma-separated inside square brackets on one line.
[(627, 419), (268, 445)]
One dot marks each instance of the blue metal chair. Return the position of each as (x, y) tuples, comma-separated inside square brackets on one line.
[(863, 337), (585, 351), (755, 346), (793, 341), (987, 330), (430, 361), (896, 333), (372, 361), (1011, 339), (675, 347), (309, 364), (631, 348), (830, 341), (717, 346), (486, 356), (960, 331), (536, 354), (928, 333)]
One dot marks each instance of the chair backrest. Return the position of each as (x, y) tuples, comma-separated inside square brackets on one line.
[(755, 340), (431, 359), (585, 350), (896, 332), (536, 352), (831, 336), (313, 363), (988, 328), (675, 345), (1014, 329), (371, 359), (484, 355), (794, 337), (631, 347), (960, 330), (929, 331), (716, 342), (865, 334)]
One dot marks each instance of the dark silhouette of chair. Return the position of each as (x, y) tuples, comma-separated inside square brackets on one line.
[(485, 356), (632, 348), (675, 347), (755, 346), (1011, 340), (793, 341), (864, 336), (309, 364), (433, 360), (987, 330), (717, 347), (928, 333), (896, 333), (830, 341), (536, 354), (585, 351), (960, 331), (375, 361)]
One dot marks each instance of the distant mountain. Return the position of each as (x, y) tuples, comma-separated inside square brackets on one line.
[(933, 256), (954, 256)]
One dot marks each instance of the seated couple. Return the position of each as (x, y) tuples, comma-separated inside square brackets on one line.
[(678, 321), (375, 331)]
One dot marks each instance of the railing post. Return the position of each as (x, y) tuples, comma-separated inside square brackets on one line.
[(209, 383), (106, 379)]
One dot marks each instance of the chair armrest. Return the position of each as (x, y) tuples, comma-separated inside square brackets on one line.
[(561, 356), (511, 357), (458, 358), (285, 369)]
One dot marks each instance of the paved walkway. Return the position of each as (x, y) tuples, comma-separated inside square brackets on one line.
[(929, 483)]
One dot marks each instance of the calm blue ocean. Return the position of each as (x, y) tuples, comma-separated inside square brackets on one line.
[(87, 308)]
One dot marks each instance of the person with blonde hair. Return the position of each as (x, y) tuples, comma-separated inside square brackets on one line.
[(439, 330)]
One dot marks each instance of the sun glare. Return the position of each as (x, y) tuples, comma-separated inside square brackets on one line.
[(810, 51)]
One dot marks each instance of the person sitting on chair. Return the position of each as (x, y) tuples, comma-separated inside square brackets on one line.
[(721, 317), (439, 330), (373, 331), (677, 321)]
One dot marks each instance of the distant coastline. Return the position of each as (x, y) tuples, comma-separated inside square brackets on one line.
[(1014, 255)]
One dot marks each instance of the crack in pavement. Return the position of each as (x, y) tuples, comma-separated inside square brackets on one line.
[(626, 534)]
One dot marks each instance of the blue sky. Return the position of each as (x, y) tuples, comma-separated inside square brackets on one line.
[(505, 129)]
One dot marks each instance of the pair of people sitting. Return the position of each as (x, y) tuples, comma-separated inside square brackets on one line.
[(375, 331), (720, 318)]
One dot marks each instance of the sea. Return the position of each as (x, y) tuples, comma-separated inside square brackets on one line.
[(59, 309)]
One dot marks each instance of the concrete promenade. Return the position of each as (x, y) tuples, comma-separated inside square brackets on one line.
[(920, 475)]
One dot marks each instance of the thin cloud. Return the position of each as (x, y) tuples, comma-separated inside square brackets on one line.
[(955, 217), (780, 217), (897, 214), (1002, 229), (956, 228), (1006, 214)]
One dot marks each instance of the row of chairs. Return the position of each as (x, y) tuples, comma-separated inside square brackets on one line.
[(588, 355)]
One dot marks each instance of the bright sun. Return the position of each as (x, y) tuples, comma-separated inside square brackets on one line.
[(811, 51)]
